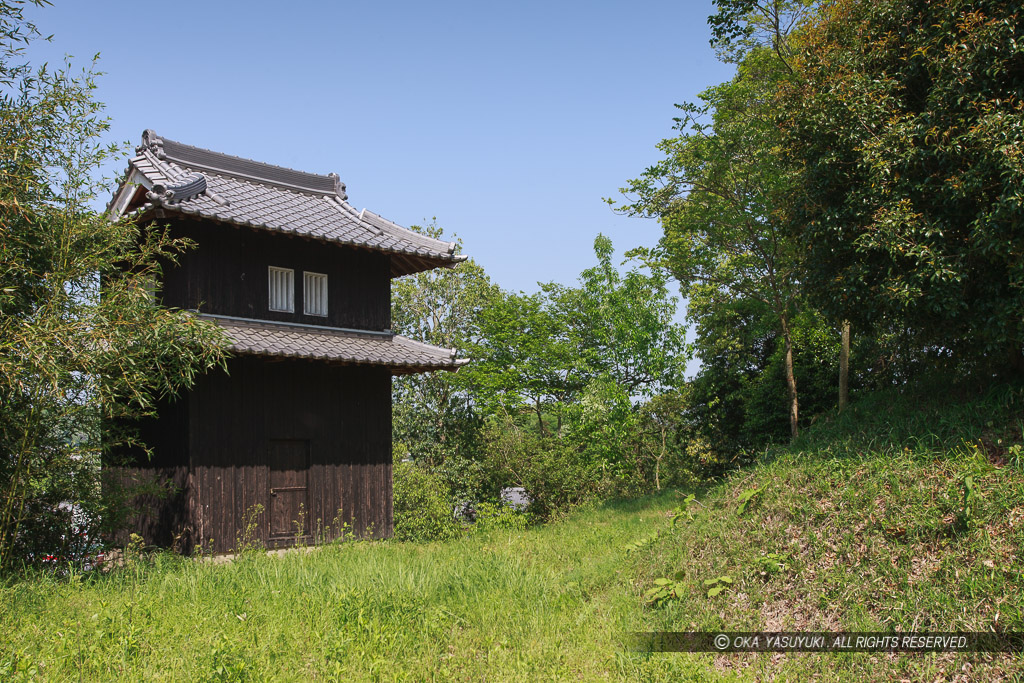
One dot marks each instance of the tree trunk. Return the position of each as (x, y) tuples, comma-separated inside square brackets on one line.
[(657, 463), (844, 367), (794, 428)]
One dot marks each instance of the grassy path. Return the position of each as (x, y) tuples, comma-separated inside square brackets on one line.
[(548, 604)]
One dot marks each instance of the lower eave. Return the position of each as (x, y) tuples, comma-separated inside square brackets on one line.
[(400, 354)]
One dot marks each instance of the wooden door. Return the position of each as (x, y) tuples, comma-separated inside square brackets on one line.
[(289, 488)]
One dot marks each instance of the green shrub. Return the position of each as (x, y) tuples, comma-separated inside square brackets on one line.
[(556, 473), (423, 505), (500, 516)]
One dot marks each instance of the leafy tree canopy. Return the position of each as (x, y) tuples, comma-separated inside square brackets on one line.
[(907, 123), (82, 345), (720, 194), (544, 349)]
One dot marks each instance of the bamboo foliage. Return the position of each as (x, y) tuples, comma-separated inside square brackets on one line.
[(83, 344)]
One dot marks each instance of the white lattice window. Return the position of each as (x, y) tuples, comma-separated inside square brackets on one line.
[(282, 289), (314, 289)]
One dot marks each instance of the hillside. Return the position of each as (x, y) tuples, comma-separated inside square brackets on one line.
[(862, 525), (906, 514)]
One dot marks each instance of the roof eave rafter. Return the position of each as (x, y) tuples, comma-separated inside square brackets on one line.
[(396, 369)]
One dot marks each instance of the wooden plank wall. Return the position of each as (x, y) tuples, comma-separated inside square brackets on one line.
[(343, 411), (161, 479), (227, 274), (160, 518)]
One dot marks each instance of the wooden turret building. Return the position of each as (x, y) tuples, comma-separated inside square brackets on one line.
[(301, 283)]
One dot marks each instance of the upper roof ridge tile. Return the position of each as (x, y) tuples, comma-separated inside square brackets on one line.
[(208, 159)]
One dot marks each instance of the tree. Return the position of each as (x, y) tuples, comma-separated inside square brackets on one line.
[(660, 422), (720, 192), (558, 373), (629, 318), (83, 347), (545, 349), (906, 120), (528, 355), (740, 26), (737, 339), (436, 416)]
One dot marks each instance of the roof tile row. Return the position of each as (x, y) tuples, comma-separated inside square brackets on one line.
[(199, 182), (399, 353)]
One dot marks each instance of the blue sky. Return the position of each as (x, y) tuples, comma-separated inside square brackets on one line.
[(507, 121)]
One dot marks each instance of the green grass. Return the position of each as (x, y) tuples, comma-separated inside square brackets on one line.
[(549, 603), (861, 525), (868, 516)]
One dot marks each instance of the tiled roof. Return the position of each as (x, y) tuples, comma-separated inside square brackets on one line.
[(193, 181), (399, 353)]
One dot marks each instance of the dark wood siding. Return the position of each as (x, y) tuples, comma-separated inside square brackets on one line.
[(342, 412), (238, 435), (155, 485), (227, 274)]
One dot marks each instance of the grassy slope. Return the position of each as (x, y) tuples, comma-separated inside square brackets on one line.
[(868, 512)]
